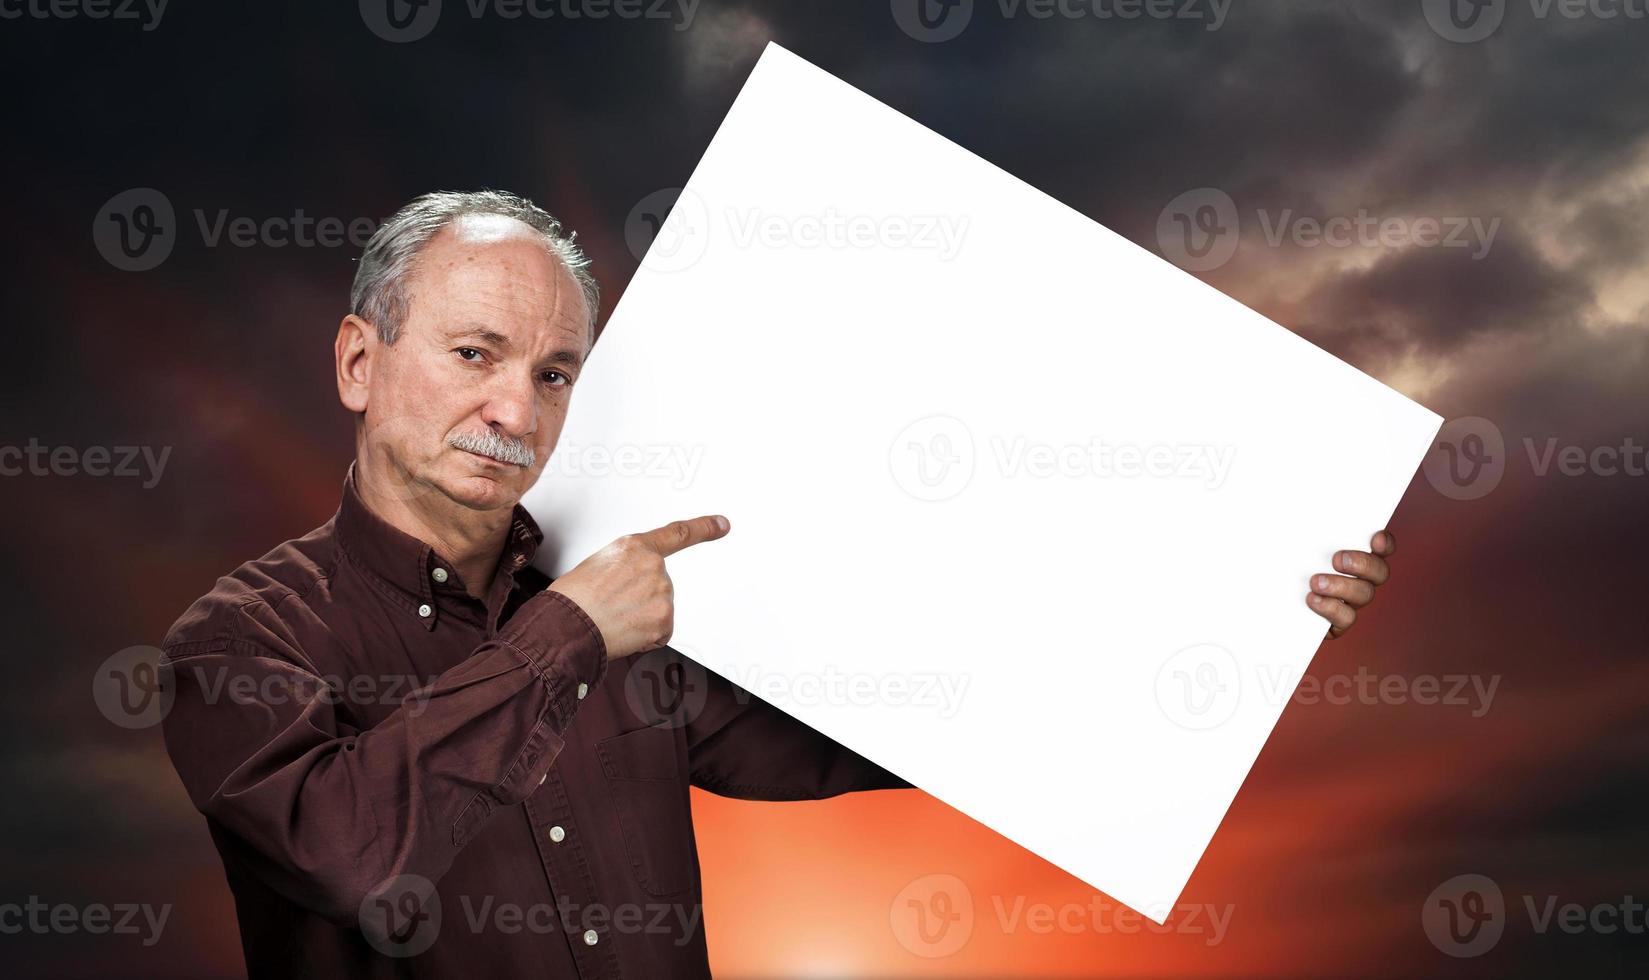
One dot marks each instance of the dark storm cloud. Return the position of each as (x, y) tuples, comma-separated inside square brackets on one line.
[(1613, 232), (1544, 103), (1319, 109), (1107, 114), (1437, 299)]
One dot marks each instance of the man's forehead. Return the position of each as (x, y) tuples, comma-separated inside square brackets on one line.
[(530, 335), (459, 274)]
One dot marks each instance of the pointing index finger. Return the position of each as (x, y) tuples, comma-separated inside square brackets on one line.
[(676, 535)]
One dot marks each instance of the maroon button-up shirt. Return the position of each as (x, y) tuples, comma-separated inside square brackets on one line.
[(406, 781)]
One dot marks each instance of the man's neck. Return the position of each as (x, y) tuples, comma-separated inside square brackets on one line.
[(471, 540)]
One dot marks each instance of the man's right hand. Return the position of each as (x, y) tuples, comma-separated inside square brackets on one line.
[(625, 589)]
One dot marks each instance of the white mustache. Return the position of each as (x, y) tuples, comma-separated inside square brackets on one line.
[(505, 449)]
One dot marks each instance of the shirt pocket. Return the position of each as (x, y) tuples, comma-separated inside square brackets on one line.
[(654, 813)]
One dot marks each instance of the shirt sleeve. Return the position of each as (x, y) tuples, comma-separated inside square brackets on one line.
[(329, 812), (743, 747)]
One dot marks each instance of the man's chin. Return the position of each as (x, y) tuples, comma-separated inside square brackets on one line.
[(485, 491), (480, 483)]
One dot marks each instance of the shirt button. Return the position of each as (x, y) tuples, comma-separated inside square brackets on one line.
[(590, 937), (583, 689), (557, 834), (543, 778), (439, 575), (424, 610)]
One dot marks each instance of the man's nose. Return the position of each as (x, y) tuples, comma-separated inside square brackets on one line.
[(512, 405)]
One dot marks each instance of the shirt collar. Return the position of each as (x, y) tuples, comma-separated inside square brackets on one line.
[(410, 566)]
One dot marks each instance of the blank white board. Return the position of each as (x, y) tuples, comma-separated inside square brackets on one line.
[(1020, 511)]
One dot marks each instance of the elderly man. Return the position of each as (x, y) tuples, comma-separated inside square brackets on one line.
[(417, 755)]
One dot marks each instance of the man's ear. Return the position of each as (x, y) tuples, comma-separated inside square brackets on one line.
[(353, 352)]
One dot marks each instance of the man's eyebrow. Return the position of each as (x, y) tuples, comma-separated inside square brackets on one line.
[(478, 332), (570, 357), (495, 339)]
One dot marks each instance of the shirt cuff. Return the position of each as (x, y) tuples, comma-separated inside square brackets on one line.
[(564, 645)]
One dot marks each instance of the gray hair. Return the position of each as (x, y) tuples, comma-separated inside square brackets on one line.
[(380, 295)]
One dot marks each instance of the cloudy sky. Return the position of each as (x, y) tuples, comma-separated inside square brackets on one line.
[(1506, 182)]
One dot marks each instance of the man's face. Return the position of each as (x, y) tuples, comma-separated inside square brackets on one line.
[(495, 336)]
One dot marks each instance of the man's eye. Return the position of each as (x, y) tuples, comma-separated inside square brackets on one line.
[(550, 377), (469, 353)]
